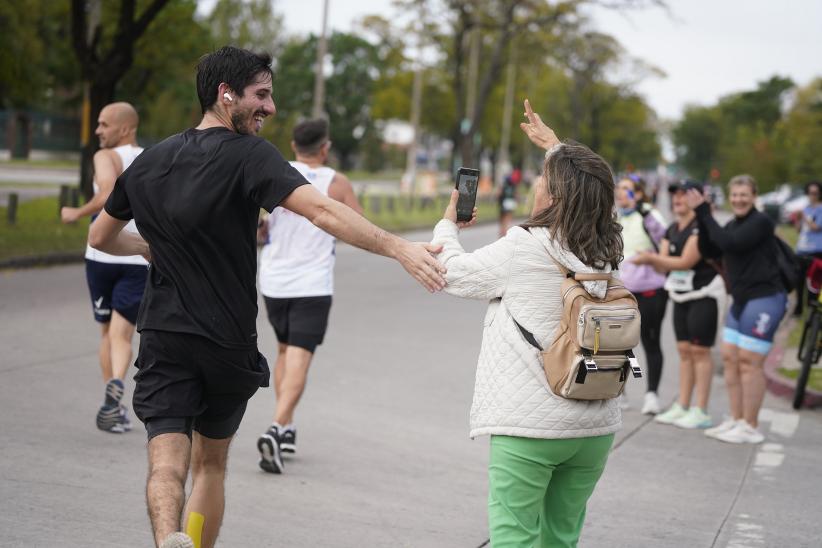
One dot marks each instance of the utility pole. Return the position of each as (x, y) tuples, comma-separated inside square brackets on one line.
[(319, 75), (473, 75)]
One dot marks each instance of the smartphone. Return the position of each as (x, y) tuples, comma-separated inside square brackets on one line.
[(467, 182)]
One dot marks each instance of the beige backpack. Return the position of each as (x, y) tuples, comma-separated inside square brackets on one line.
[(593, 350)]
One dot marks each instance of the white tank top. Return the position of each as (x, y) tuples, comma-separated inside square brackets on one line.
[(298, 259), (127, 154)]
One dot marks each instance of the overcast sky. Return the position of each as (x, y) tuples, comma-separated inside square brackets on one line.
[(707, 48)]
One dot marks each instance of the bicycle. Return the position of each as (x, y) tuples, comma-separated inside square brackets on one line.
[(810, 345)]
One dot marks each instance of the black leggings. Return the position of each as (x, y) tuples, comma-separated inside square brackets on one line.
[(805, 261), (652, 308)]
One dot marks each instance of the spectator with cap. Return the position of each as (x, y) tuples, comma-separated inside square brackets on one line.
[(698, 293)]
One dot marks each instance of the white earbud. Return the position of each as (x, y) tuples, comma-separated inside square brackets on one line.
[(227, 96)]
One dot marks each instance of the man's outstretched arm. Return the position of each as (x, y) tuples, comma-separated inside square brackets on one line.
[(106, 234), (344, 223)]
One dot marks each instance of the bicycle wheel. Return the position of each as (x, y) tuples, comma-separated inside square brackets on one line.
[(809, 351)]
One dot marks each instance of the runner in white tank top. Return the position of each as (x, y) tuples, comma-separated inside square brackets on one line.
[(115, 283), (298, 258), (127, 154), (297, 281)]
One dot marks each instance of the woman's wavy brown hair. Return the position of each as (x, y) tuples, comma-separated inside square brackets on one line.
[(582, 217)]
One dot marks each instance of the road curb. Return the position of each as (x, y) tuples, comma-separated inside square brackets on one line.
[(776, 383), (48, 259)]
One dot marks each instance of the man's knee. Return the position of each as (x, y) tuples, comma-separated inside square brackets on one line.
[(168, 456), (209, 456)]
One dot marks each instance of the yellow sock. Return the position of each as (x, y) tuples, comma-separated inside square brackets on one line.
[(194, 529)]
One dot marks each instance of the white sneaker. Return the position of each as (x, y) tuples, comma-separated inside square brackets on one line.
[(177, 540), (742, 432), (726, 425), (651, 404), (694, 418), (673, 413)]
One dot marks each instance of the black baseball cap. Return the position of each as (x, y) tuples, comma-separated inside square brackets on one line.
[(685, 184)]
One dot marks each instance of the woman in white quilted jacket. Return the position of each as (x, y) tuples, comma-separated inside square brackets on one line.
[(547, 452)]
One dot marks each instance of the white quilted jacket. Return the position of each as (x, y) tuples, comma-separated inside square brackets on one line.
[(511, 394)]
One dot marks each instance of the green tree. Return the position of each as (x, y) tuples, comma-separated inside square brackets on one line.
[(249, 24), (349, 87), (696, 138)]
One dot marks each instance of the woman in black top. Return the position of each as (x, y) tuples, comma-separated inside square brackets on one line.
[(695, 288), (748, 248)]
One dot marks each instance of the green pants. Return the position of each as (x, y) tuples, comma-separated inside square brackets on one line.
[(538, 489)]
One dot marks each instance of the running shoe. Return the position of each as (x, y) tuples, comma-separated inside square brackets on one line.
[(177, 540), (108, 416), (288, 440), (651, 404), (742, 432), (673, 413), (726, 425), (694, 418), (271, 459), (125, 422), (109, 419)]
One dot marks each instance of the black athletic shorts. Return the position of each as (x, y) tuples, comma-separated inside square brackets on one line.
[(115, 287), (299, 321), (188, 382), (695, 321)]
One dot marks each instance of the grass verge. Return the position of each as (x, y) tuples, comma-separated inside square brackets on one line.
[(814, 380), (38, 231)]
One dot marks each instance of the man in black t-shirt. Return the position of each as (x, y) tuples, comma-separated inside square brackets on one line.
[(195, 198)]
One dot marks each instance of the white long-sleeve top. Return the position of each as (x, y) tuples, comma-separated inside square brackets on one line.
[(511, 394)]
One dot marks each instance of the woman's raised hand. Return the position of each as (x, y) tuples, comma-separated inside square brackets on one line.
[(536, 130)]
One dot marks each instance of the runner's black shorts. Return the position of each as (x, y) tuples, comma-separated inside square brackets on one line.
[(299, 321), (186, 382), (696, 321), (115, 287)]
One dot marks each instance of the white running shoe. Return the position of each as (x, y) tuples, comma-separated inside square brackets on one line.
[(694, 418), (673, 413), (651, 404), (742, 432), (177, 540), (726, 425)]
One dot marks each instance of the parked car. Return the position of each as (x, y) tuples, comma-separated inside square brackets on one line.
[(792, 210)]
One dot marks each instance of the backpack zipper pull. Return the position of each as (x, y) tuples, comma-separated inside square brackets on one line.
[(596, 335)]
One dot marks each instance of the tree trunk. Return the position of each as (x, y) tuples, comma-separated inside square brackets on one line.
[(100, 94)]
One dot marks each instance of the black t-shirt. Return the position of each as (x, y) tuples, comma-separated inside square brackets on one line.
[(196, 198), (748, 250), (703, 272)]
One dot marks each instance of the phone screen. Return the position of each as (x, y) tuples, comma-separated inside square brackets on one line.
[(467, 180)]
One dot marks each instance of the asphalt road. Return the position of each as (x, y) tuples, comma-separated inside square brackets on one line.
[(384, 458)]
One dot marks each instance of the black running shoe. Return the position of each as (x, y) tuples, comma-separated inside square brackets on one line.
[(110, 416), (268, 445), (288, 440), (109, 419)]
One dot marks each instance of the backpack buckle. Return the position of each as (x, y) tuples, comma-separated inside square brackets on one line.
[(633, 363), (588, 359)]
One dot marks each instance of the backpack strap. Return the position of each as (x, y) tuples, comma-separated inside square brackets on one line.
[(527, 335), (581, 276)]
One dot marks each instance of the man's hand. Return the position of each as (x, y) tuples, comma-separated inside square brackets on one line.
[(69, 214), (417, 260), (536, 130), (451, 211), (694, 198)]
